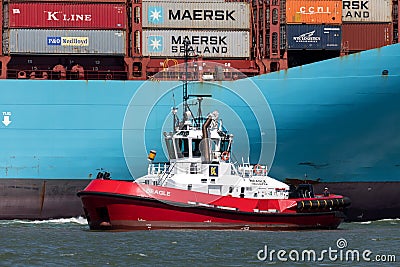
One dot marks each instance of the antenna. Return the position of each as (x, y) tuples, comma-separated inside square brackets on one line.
[(186, 44), (186, 97)]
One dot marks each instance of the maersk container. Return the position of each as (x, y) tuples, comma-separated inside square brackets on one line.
[(367, 11), (208, 44), (196, 15), (67, 15), (40, 41), (313, 37), (314, 11), (364, 36)]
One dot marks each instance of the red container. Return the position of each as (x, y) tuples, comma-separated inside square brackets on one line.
[(363, 36), (62, 15)]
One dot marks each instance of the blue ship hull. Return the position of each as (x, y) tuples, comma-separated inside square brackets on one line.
[(335, 122)]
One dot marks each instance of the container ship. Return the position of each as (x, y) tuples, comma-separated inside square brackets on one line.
[(81, 83)]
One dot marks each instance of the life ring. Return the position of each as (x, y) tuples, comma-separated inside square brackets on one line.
[(258, 169), (225, 156)]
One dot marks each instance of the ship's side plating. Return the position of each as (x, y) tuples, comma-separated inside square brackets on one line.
[(334, 120)]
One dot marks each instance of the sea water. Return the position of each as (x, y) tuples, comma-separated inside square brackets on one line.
[(69, 242)]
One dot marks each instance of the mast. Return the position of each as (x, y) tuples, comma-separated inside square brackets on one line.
[(186, 109), (186, 44)]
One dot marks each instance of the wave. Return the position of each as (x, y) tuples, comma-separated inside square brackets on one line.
[(390, 221), (366, 222), (75, 220)]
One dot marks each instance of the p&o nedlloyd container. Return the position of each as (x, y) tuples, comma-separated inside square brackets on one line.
[(196, 15), (39, 41), (208, 44), (67, 15), (314, 12)]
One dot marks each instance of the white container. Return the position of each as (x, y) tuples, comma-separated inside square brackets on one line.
[(196, 15), (208, 44), (367, 11), (40, 41)]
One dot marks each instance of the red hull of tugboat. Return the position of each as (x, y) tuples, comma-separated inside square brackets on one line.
[(119, 205)]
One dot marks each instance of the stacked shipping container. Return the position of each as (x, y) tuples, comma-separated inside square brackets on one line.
[(313, 12), (313, 30), (49, 41), (141, 37), (218, 31), (214, 29), (66, 28), (366, 24), (313, 25), (204, 43)]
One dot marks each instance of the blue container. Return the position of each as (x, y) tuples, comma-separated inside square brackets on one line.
[(313, 37)]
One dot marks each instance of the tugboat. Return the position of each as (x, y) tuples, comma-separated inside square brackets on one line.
[(200, 187)]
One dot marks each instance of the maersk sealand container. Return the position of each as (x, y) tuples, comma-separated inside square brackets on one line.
[(373, 11), (208, 44)]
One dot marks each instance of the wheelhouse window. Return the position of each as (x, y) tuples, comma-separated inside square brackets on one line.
[(196, 148), (224, 145)]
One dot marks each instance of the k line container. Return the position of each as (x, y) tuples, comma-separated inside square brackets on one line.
[(367, 11), (313, 37), (63, 15), (314, 11), (208, 44), (196, 15), (364, 36), (38, 41)]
